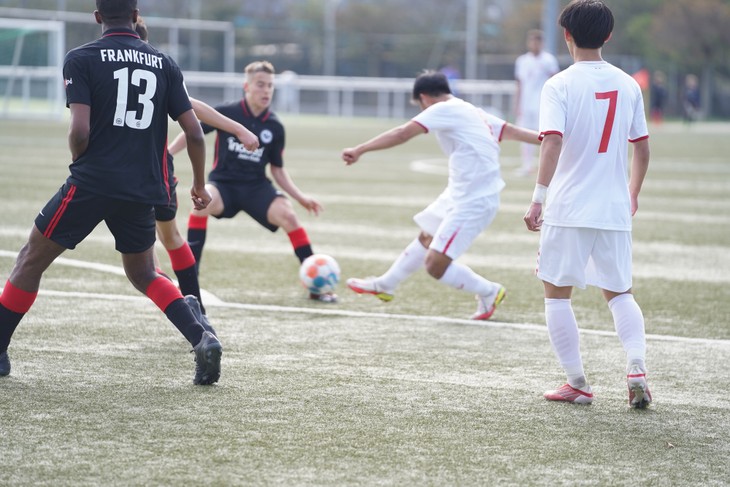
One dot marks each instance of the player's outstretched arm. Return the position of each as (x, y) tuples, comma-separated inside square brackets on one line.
[(520, 134), (79, 129), (391, 138), (639, 167), (209, 115), (195, 142), (285, 182)]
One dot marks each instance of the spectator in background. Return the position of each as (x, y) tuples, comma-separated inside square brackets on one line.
[(691, 98), (658, 97), (532, 70)]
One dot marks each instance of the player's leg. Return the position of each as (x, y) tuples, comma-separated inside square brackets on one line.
[(198, 222), (610, 269), (68, 217), (21, 288), (280, 213), (563, 256), (181, 258), (133, 227)]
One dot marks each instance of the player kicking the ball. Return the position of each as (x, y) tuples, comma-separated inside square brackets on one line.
[(449, 225), (588, 115)]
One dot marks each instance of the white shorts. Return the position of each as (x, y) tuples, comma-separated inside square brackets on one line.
[(579, 256), (454, 227)]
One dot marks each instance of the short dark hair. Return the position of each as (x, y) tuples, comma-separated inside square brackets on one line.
[(431, 83), (115, 12), (141, 28), (589, 22)]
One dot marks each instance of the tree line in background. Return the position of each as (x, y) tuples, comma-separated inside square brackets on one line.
[(399, 38)]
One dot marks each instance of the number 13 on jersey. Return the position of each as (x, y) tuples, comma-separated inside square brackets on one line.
[(129, 118)]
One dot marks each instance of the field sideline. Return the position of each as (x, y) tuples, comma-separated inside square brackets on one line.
[(364, 392)]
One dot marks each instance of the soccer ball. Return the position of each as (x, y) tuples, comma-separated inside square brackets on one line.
[(319, 273)]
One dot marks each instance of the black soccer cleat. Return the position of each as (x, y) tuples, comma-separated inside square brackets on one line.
[(208, 353), (194, 305), (4, 363)]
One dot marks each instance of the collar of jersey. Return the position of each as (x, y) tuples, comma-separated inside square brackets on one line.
[(247, 111), (120, 31)]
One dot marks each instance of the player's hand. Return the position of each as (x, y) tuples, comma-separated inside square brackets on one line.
[(201, 197), (634, 204), (532, 217), (350, 155), (249, 140), (311, 205)]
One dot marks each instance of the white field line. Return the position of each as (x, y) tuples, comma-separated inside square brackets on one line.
[(213, 301)]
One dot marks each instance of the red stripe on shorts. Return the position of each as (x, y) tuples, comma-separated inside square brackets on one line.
[(451, 240), (59, 212)]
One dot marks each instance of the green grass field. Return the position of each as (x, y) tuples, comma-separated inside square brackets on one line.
[(363, 392)]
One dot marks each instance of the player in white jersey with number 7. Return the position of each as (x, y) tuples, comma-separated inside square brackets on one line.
[(588, 115)]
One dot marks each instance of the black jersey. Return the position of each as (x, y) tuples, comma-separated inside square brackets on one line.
[(232, 161), (131, 88)]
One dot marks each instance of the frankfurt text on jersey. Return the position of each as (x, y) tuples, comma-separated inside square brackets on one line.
[(131, 56)]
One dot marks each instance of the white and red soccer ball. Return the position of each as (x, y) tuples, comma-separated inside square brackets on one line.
[(319, 273)]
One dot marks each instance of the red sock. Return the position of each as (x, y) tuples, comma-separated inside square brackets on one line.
[(162, 292), (17, 300), (300, 241), (182, 257), (197, 222)]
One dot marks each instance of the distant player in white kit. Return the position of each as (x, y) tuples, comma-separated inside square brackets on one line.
[(532, 70), (588, 114), (470, 137)]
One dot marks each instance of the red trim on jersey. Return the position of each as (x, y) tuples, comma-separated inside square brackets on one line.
[(639, 139), (17, 300), (298, 237), (162, 292), (182, 257), (129, 34), (166, 173), (549, 132), (265, 115), (215, 152), (244, 106), (418, 123), (451, 240), (501, 133), (59, 212), (197, 222)]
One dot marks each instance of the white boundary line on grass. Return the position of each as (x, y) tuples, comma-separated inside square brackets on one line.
[(212, 301)]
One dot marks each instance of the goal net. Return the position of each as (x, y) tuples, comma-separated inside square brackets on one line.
[(31, 58)]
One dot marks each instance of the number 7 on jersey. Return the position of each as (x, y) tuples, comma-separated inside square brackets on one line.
[(612, 97)]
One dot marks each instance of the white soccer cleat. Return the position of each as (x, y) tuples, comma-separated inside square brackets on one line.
[(487, 305), (369, 285), (639, 394)]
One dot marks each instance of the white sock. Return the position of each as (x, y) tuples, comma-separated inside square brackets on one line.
[(629, 323), (408, 262), (564, 337), (463, 278)]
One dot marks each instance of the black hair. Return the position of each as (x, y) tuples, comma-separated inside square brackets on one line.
[(431, 83), (141, 28), (116, 12), (589, 22)]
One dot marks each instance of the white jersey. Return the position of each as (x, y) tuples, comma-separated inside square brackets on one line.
[(532, 71), (598, 109), (469, 137)]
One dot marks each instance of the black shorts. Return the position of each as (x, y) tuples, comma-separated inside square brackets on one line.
[(71, 215), (253, 198), (166, 213)]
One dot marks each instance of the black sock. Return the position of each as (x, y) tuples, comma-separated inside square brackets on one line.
[(182, 317), (196, 241), (188, 281), (8, 323)]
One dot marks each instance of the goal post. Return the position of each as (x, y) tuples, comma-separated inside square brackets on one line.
[(31, 65)]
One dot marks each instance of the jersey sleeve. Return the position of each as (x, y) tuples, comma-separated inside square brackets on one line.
[(496, 125), (553, 109), (638, 130), (277, 148), (434, 117), (179, 101), (76, 80)]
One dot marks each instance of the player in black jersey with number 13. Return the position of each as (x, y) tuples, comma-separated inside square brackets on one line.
[(120, 91)]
